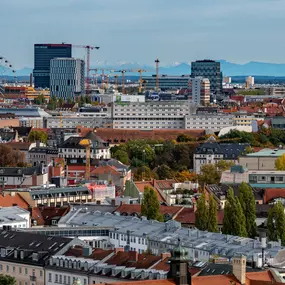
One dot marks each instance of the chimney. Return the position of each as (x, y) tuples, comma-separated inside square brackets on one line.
[(239, 268), (165, 255), (118, 249)]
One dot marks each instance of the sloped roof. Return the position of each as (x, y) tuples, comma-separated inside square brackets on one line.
[(273, 193), (105, 169), (142, 184)]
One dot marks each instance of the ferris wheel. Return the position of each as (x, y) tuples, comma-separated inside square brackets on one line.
[(6, 68)]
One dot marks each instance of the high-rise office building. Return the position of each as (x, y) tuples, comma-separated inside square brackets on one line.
[(43, 53), (209, 69), (199, 89), (249, 82), (66, 77)]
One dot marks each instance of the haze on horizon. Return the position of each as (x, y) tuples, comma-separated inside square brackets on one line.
[(139, 31)]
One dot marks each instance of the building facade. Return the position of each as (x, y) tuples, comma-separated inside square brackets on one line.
[(199, 88), (167, 82), (66, 78), (43, 53), (209, 69), (150, 115)]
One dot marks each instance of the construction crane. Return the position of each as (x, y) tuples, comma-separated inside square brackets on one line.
[(103, 74), (95, 76), (157, 73), (88, 49), (123, 71), (116, 82), (87, 144)]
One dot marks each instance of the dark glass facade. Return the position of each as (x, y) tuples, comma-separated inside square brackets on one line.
[(209, 69), (43, 53)]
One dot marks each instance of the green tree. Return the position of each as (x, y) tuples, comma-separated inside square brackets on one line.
[(201, 214), (144, 173), (212, 215), (36, 135), (7, 280), (40, 100), (150, 207), (247, 202), (121, 156), (280, 163), (209, 174), (276, 223), (52, 103), (223, 165), (164, 172), (185, 138), (234, 219)]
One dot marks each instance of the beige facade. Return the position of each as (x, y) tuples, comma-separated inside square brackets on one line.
[(23, 273), (258, 163)]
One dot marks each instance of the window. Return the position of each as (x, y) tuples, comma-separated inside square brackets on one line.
[(26, 271), (14, 269), (1, 267), (41, 273), (20, 270), (49, 277), (56, 278), (7, 268), (60, 279)]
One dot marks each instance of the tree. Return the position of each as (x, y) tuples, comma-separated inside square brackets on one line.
[(150, 207), (223, 165), (7, 280), (40, 100), (276, 223), (247, 202), (10, 157), (143, 173), (121, 156), (201, 214), (164, 172), (209, 174), (36, 135), (185, 138), (280, 163), (186, 175), (234, 219), (212, 215)]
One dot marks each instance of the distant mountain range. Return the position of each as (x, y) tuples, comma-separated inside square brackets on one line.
[(228, 68)]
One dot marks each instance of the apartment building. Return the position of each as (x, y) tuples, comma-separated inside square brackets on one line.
[(212, 152), (150, 115), (199, 90), (43, 155), (71, 148), (24, 255), (140, 235), (208, 122)]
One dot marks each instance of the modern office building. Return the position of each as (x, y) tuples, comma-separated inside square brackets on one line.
[(66, 78), (166, 82), (199, 90), (209, 69), (43, 53)]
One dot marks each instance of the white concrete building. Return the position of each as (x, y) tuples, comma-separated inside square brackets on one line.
[(150, 115), (200, 90), (14, 217), (210, 122)]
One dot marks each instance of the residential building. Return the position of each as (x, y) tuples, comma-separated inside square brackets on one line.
[(220, 192), (199, 88), (9, 120), (71, 148), (43, 54), (31, 122), (209, 69), (278, 123), (11, 177), (24, 255), (227, 80), (212, 152), (14, 217), (67, 78), (43, 155), (275, 90), (150, 115), (242, 118), (141, 235), (261, 160), (256, 178), (209, 122), (166, 82)]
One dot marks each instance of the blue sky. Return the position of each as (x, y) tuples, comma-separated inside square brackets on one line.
[(139, 31)]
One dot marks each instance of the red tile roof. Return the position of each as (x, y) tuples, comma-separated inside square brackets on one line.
[(122, 135), (13, 200), (97, 253), (187, 216), (19, 145), (142, 184), (273, 193), (136, 208)]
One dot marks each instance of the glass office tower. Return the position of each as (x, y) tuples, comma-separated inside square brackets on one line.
[(43, 53)]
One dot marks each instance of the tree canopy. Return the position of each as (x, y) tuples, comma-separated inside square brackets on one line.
[(37, 135), (10, 157), (234, 222), (247, 202), (212, 215), (276, 223), (201, 221), (7, 280), (150, 206), (280, 163)]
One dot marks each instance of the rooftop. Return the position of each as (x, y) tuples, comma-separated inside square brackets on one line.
[(267, 152)]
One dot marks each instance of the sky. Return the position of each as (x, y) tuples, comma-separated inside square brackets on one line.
[(139, 31)]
